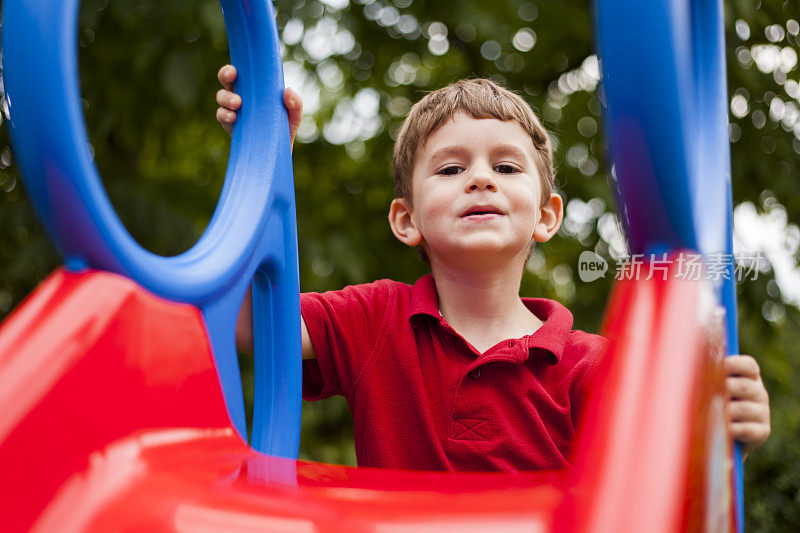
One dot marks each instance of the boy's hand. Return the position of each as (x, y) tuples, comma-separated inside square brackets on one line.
[(748, 402), (230, 102)]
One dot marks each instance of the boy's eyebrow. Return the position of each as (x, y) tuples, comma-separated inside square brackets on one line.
[(458, 149), (452, 150), (511, 149)]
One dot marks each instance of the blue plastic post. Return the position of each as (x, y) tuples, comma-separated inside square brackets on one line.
[(253, 227)]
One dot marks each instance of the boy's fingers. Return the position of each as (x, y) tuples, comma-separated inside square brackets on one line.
[(229, 100), (748, 410), (294, 108), (294, 105), (744, 388), (226, 76), (744, 411), (752, 434), (741, 365), (226, 119), (225, 116)]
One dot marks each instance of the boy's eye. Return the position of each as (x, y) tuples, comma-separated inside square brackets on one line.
[(506, 168), (450, 171)]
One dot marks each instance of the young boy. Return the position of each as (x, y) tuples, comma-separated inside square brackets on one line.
[(457, 372)]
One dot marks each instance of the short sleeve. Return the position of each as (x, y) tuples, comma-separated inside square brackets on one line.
[(344, 327)]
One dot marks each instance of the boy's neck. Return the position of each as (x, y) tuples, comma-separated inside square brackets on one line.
[(483, 305)]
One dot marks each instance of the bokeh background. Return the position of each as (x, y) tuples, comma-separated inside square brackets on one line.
[(148, 80)]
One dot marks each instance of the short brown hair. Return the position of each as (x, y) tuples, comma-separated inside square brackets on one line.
[(478, 98)]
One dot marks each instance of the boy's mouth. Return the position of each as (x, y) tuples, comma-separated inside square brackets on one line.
[(481, 210)]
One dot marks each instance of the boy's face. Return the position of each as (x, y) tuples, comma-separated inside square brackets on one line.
[(476, 191)]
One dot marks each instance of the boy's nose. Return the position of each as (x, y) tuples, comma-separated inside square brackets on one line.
[(481, 181)]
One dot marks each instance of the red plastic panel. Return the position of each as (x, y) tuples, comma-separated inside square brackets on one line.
[(89, 359)]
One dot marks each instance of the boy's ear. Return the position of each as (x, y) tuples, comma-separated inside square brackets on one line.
[(403, 225), (550, 216)]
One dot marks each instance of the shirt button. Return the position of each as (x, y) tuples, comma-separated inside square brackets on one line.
[(475, 373)]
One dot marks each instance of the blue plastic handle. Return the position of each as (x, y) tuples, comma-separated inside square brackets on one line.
[(665, 91), (252, 230)]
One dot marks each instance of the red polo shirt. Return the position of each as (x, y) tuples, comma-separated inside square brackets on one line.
[(423, 398)]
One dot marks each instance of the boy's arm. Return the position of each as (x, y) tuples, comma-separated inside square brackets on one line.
[(229, 103), (244, 330), (748, 402)]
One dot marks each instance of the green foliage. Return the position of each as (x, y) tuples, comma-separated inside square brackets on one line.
[(148, 78), (772, 487)]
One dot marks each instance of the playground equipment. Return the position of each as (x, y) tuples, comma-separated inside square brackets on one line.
[(119, 387)]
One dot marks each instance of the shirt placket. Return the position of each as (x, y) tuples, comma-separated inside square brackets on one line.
[(472, 418)]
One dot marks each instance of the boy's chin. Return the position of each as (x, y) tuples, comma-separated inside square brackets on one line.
[(482, 252)]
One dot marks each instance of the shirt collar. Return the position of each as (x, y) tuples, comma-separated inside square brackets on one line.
[(557, 321), (551, 336), (424, 298)]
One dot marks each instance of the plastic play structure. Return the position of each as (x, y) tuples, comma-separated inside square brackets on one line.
[(120, 398)]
